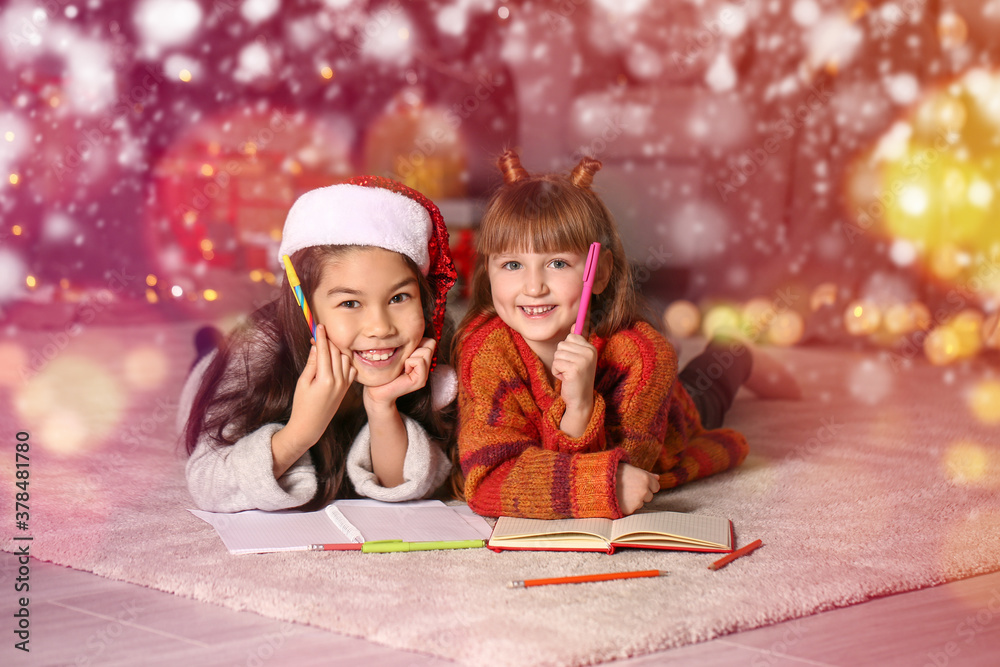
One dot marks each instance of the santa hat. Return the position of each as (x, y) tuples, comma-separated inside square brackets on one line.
[(379, 212)]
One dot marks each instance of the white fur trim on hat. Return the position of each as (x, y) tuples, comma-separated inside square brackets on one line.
[(346, 214)]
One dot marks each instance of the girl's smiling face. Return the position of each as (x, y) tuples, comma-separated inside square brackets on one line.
[(369, 301), (538, 295)]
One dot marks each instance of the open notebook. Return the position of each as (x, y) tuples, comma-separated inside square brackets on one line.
[(647, 530), (346, 525)]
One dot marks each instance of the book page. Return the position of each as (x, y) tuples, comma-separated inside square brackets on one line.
[(256, 531), (696, 530), (409, 523), (510, 528)]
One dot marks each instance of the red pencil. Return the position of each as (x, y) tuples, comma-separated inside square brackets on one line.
[(726, 560), (585, 578)]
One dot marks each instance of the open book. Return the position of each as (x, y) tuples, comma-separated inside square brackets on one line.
[(647, 530), (362, 525)]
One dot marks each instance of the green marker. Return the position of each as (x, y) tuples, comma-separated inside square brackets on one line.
[(395, 546)]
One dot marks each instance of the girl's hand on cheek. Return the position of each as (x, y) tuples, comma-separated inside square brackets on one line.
[(416, 369), (575, 364), (321, 388)]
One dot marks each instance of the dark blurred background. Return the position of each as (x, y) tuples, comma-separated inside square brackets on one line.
[(836, 159)]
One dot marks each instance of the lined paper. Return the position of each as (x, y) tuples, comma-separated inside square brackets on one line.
[(512, 527), (345, 522), (696, 529), (410, 524)]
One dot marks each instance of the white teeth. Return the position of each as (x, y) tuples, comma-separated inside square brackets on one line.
[(375, 356), (536, 310)]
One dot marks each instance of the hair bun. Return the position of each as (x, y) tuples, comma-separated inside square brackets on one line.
[(583, 174), (510, 167)]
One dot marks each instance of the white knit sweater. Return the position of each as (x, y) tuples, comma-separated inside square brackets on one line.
[(240, 477)]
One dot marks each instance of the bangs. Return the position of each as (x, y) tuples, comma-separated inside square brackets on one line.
[(539, 216)]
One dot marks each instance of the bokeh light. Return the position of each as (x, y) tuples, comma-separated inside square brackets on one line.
[(984, 401), (862, 317), (941, 346), (72, 403), (970, 464), (721, 320), (682, 318), (786, 329), (145, 367), (13, 361)]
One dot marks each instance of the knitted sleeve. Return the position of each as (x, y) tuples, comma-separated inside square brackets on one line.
[(638, 386), (515, 459)]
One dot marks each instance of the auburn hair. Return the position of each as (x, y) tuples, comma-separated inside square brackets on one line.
[(243, 390), (551, 213)]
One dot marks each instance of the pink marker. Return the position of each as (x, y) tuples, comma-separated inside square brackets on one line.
[(589, 272)]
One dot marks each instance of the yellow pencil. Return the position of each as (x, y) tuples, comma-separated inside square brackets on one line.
[(300, 297)]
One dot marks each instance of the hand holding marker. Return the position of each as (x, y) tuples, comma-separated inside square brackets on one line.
[(293, 280), (589, 273)]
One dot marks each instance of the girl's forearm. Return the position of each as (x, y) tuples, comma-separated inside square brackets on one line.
[(575, 420), (286, 449), (388, 443)]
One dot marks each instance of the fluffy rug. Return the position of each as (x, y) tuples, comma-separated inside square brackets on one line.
[(879, 481)]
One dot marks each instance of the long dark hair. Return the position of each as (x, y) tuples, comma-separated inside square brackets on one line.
[(261, 362)]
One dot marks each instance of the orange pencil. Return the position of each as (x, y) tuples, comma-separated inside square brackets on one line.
[(586, 577), (726, 560)]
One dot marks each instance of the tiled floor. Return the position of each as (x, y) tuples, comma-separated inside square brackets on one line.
[(80, 619)]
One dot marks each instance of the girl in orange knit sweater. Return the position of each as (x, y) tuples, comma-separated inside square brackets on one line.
[(554, 424)]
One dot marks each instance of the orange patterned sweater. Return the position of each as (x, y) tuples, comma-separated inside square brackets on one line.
[(516, 460)]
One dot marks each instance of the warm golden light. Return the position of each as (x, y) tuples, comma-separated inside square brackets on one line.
[(786, 329), (72, 403), (941, 346), (720, 320), (31, 282), (326, 73), (210, 295), (207, 170), (250, 148), (899, 319), (275, 234), (145, 367), (206, 245), (8, 135), (862, 318), (921, 316), (757, 316), (151, 296), (14, 179), (13, 361), (682, 318), (991, 332), (967, 463), (256, 275), (190, 217), (825, 294), (968, 327), (16, 230), (269, 278), (151, 280), (184, 75), (984, 401)]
